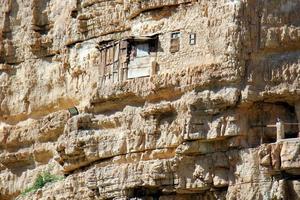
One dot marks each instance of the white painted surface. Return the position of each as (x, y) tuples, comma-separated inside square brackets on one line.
[(140, 67), (138, 72)]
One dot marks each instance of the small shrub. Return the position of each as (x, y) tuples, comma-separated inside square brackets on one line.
[(41, 180)]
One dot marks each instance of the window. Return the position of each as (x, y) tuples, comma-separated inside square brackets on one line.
[(142, 54), (175, 42), (192, 38), (142, 47), (175, 35), (142, 50), (129, 58), (109, 64)]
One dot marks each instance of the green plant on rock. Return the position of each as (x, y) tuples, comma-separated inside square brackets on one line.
[(41, 180)]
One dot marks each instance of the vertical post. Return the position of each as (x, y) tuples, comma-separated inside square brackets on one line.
[(105, 64), (297, 109), (262, 120), (262, 136), (124, 59), (280, 130), (112, 60)]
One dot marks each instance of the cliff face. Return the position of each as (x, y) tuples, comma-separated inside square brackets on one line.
[(177, 99)]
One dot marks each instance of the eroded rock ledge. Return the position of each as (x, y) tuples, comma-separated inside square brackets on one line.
[(177, 99)]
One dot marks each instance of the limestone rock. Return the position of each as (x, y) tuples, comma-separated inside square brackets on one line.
[(176, 99)]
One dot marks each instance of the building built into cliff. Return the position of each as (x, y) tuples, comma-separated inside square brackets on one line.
[(149, 99)]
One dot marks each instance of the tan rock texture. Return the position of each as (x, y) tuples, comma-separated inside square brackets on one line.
[(176, 99)]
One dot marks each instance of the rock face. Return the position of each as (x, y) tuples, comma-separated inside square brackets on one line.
[(177, 99)]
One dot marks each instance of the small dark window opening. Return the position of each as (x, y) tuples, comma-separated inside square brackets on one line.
[(268, 139), (291, 134), (145, 193), (192, 38), (74, 13), (175, 42)]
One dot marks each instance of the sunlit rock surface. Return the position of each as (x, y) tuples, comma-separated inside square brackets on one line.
[(177, 99)]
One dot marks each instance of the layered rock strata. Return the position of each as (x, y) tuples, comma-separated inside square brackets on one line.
[(176, 99)]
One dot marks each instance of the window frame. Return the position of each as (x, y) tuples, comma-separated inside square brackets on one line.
[(175, 41), (192, 38)]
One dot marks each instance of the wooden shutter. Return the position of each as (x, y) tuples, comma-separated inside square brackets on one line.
[(175, 45), (175, 42)]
